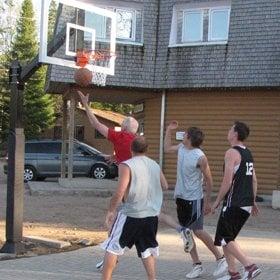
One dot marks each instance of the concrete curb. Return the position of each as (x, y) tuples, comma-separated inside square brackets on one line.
[(48, 242)]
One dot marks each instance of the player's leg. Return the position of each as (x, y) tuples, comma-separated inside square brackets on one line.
[(109, 265), (147, 245), (150, 267), (209, 243), (169, 221)]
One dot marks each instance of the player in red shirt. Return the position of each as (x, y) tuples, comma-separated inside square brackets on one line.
[(120, 139)]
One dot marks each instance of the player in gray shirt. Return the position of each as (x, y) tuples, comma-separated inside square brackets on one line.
[(192, 170)]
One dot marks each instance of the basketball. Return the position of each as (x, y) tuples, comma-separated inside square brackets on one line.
[(83, 77)]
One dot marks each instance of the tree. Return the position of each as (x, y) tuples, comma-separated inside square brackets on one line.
[(38, 106), (9, 12), (124, 109)]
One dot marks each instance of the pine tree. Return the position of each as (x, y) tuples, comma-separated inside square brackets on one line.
[(38, 106), (8, 11)]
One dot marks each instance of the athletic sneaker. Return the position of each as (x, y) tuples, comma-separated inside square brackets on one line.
[(252, 272), (99, 265), (221, 267), (233, 276), (197, 270), (187, 237)]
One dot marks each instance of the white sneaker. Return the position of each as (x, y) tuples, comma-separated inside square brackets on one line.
[(252, 273), (188, 241), (197, 270), (221, 267), (99, 265), (229, 277), (225, 277)]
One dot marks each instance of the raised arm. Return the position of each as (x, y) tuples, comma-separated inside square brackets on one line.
[(205, 169), (168, 147), (103, 129)]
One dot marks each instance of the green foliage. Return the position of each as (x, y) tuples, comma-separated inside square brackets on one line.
[(38, 106), (52, 19), (25, 45), (124, 109)]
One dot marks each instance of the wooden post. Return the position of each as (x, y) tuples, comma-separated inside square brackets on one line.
[(15, 186), (71, 136), (64, 138)]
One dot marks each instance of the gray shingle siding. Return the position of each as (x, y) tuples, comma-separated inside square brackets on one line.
[(250, 59)]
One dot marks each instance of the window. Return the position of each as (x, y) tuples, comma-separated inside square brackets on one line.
[(129, 25), (125, 24), (57, 132), (193, 24), (80, 132), (96, 22), (98, 135), (218, 24)]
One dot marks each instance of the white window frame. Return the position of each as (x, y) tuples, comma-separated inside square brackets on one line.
[(210, 33), (192, 11), (122, 40), (133, 33)]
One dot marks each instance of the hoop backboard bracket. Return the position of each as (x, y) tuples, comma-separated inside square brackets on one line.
[(91, 33)]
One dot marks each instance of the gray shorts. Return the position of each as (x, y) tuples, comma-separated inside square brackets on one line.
[(190, 213)]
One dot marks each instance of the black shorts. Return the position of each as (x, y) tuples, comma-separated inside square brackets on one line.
[(231, 221), (190, 213), (128, 231)]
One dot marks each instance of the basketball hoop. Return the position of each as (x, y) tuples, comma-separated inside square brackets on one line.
[(98, 58)]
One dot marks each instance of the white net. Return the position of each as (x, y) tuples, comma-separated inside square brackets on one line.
[(99, 78)]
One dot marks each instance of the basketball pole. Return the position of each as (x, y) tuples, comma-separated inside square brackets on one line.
[(15, 185), (16, 144)]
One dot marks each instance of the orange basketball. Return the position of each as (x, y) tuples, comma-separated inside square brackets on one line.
[(83, 77)]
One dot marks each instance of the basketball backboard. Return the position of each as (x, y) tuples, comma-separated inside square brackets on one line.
[(85, 27)]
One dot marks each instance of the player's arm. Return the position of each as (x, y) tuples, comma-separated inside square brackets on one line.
[(205, 169), (103, 129), (231, 157), (163, 181), (255, 209), (123, 183), (168, 147)]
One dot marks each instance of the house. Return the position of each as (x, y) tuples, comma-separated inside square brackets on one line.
[(85, 132), (203, 63)]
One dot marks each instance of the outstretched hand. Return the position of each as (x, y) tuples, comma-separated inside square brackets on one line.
[(173, 125), (84, 98)]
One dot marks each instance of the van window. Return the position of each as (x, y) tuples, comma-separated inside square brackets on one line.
[(43, 148)]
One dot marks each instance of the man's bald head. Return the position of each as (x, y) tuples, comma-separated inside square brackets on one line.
[(129, 124)]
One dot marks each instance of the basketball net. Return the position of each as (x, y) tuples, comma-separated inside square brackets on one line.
[(96, 57)]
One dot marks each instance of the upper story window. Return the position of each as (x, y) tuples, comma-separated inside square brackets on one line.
[(129, 25), (218, 24), (196, 24)]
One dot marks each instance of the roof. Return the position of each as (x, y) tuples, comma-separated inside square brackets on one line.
[(107, 115), (250, 59)]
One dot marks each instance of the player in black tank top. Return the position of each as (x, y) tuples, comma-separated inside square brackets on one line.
[(241, 191), (238, 193)]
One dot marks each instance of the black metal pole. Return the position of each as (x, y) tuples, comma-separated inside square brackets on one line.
[(15, 184)]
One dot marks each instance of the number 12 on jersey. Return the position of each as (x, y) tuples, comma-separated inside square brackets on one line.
[(250, 167)]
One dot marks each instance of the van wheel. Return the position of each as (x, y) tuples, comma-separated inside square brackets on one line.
[(99, 171), (29, 174)]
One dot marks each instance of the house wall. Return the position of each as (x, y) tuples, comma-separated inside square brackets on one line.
[(214, 113)]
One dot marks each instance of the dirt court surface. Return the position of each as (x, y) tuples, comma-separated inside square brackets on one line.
[(74, 218)]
